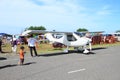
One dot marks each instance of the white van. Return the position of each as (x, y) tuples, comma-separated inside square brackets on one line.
[(117, 35)]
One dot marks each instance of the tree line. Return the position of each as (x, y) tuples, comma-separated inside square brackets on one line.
[(43, 28)]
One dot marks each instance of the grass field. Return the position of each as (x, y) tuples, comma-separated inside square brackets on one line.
[(47, 48), (42, 48)]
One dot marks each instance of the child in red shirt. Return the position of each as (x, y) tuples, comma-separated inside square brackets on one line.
[(21, 55)]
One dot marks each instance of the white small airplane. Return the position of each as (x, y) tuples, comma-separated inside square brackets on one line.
[(73, 39)]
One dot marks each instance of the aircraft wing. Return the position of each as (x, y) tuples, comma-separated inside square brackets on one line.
[(41, 31)]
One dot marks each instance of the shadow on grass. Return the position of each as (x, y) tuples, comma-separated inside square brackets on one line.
[(58, 49), (99, 48), (2, 58), (53, 54), (64, 53), (71, 52), (7, 66), (29, 63), (13, 65), (3, 52)]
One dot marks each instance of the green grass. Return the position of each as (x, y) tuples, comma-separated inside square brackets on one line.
[(106, 45), (47, 48)]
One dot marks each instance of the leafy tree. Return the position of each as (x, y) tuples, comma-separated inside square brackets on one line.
[(117, 31), (35, 28), (82, 30)]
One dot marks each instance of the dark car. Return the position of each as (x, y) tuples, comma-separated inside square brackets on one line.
[(58, 45), (22, 40)]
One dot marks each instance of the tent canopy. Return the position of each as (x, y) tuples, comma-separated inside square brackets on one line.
[(5, 34)]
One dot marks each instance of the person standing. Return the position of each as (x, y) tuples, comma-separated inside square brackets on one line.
[(1, 45), (32, 45), (14, 44), (21, 55)]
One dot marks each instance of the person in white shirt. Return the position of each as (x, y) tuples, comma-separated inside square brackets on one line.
[(32, 45), (14, 44)]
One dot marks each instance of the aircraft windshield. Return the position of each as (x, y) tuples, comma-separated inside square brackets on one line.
[(58, 36), (80, 34)]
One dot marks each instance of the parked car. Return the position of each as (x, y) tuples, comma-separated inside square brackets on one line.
[(58, 45), (22, 40)]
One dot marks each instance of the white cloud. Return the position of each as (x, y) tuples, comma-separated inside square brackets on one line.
[(26, 9), (60, 6), (105, 10), (51, 6), (55, 14), (51, 13)]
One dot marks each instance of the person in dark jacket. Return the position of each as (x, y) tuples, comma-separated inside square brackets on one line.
[(1, 45)]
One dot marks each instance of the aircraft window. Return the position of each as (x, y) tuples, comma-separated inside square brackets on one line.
[(57, 36), (71, 38)]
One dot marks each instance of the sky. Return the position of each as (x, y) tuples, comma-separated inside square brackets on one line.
[(59, 15)]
